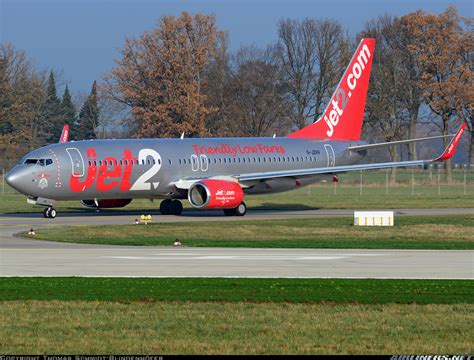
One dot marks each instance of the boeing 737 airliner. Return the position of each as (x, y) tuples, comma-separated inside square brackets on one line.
[(212, 173)]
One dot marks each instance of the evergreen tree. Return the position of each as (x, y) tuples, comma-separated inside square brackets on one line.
[(68, 108), (88, 117), (51, 114), (6, 126)]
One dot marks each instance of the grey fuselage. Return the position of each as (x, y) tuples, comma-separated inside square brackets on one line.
[(150, 168)]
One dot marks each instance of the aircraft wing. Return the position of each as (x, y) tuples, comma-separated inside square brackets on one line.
[(185, 184), (447, 153), (391, 143)]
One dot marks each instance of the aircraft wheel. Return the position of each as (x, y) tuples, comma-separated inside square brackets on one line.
[(176, 207), (165, 207), (229, 212), (241, 209), (50, 213)]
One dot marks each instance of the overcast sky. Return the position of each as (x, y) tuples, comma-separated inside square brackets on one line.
[(81, 37)]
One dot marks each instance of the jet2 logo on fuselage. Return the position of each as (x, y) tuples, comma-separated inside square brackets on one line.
[(109, 174)]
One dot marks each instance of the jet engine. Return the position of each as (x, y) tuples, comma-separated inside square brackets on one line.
[(215, 194), (106, 203)]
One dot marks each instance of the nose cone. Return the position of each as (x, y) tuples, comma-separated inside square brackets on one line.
[(12, 177), (17, 178)]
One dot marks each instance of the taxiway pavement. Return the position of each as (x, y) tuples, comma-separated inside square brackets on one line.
[(26, 257)]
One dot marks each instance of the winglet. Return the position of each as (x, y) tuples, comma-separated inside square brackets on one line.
[(451, 149), (64, 134)]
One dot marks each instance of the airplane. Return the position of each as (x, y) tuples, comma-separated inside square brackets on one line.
[(211, 173)]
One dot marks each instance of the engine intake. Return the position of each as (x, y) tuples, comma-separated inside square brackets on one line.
[(215, 194)]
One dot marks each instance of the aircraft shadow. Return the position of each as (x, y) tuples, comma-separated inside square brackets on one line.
[(79, 212)]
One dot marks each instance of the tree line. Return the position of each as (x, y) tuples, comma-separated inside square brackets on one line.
[(180, 77), (31, 112)]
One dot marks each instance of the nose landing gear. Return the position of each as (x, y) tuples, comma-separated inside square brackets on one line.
[(50, 212)]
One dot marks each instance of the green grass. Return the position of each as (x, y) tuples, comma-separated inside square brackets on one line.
[(76, 327), (235, 316), (414, 232), (364, 291)]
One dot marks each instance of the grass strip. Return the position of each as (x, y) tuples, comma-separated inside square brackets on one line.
[(363, 291), (455, 232), (77, 327)]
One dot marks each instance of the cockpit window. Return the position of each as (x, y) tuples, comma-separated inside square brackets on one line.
[(42, 162)]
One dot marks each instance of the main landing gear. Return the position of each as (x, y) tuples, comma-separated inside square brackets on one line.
[(171, 207), (238, 211), (50, 212)]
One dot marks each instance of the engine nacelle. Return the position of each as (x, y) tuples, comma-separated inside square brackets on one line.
[(106, 203), (215, 194)]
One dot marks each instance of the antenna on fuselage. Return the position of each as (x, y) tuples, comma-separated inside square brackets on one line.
[(182, 135)]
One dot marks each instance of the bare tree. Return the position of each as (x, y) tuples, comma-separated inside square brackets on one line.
[(255, 100), (23, 92), (439, 45), (160, 76), (389, 89), (310, 52)]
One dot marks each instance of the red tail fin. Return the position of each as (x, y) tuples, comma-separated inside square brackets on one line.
[(64, 134), (342, 118)]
